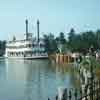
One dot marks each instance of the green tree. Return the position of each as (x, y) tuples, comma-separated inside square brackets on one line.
[(61, 43), (2, 47), (50, 43), (81, 42), (89, 39), (62, 38), (98, 38), (71, 39)]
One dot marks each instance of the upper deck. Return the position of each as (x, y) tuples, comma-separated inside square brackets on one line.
[(25, 43)]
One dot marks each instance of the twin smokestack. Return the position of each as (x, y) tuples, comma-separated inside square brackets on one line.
[(38, 30)]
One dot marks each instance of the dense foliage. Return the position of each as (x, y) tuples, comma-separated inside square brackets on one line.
[(75, 42), (50, 43), (2, 47)]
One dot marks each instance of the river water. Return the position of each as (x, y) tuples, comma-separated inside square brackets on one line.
[(34, 79)]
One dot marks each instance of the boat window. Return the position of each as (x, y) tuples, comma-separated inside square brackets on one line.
[(41, 45), (33, 45), (22, 53)]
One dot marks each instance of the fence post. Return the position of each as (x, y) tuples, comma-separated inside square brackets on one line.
[(97, 94), (75, 94), (56, 97), (91, 84), (94, 88), (70, 95), (65, 94), (48, 98), (99, 89), (80, 93), (86, 94)]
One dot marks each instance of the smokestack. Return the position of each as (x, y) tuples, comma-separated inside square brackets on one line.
[(26, 22), (38, 30)]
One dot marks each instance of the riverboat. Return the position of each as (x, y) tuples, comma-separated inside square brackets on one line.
[(28, 48)]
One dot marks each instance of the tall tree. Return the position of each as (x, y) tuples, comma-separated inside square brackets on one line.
[(2, 47), (98, 38), (81, 42), (62, 38), (71, 39), (88, 39), (50, 44)]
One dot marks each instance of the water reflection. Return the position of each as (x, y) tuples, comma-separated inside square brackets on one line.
[(35, 84), (66, 76), (2, 70), (33, 79)]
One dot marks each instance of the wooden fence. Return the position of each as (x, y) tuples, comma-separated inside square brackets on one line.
[(91, 92)]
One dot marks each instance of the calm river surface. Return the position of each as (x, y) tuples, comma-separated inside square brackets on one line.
[(33, 79)]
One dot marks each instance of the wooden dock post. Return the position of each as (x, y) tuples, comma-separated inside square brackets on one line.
[(62, 59)]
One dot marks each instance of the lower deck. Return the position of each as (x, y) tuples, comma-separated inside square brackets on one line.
[(33, 56)]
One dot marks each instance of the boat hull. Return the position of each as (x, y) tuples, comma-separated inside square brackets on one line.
[(32, 57)]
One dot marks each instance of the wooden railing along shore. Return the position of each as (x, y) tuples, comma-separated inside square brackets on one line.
[(93, 93)]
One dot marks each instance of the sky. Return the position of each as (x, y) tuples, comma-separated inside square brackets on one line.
[(55, 16)]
